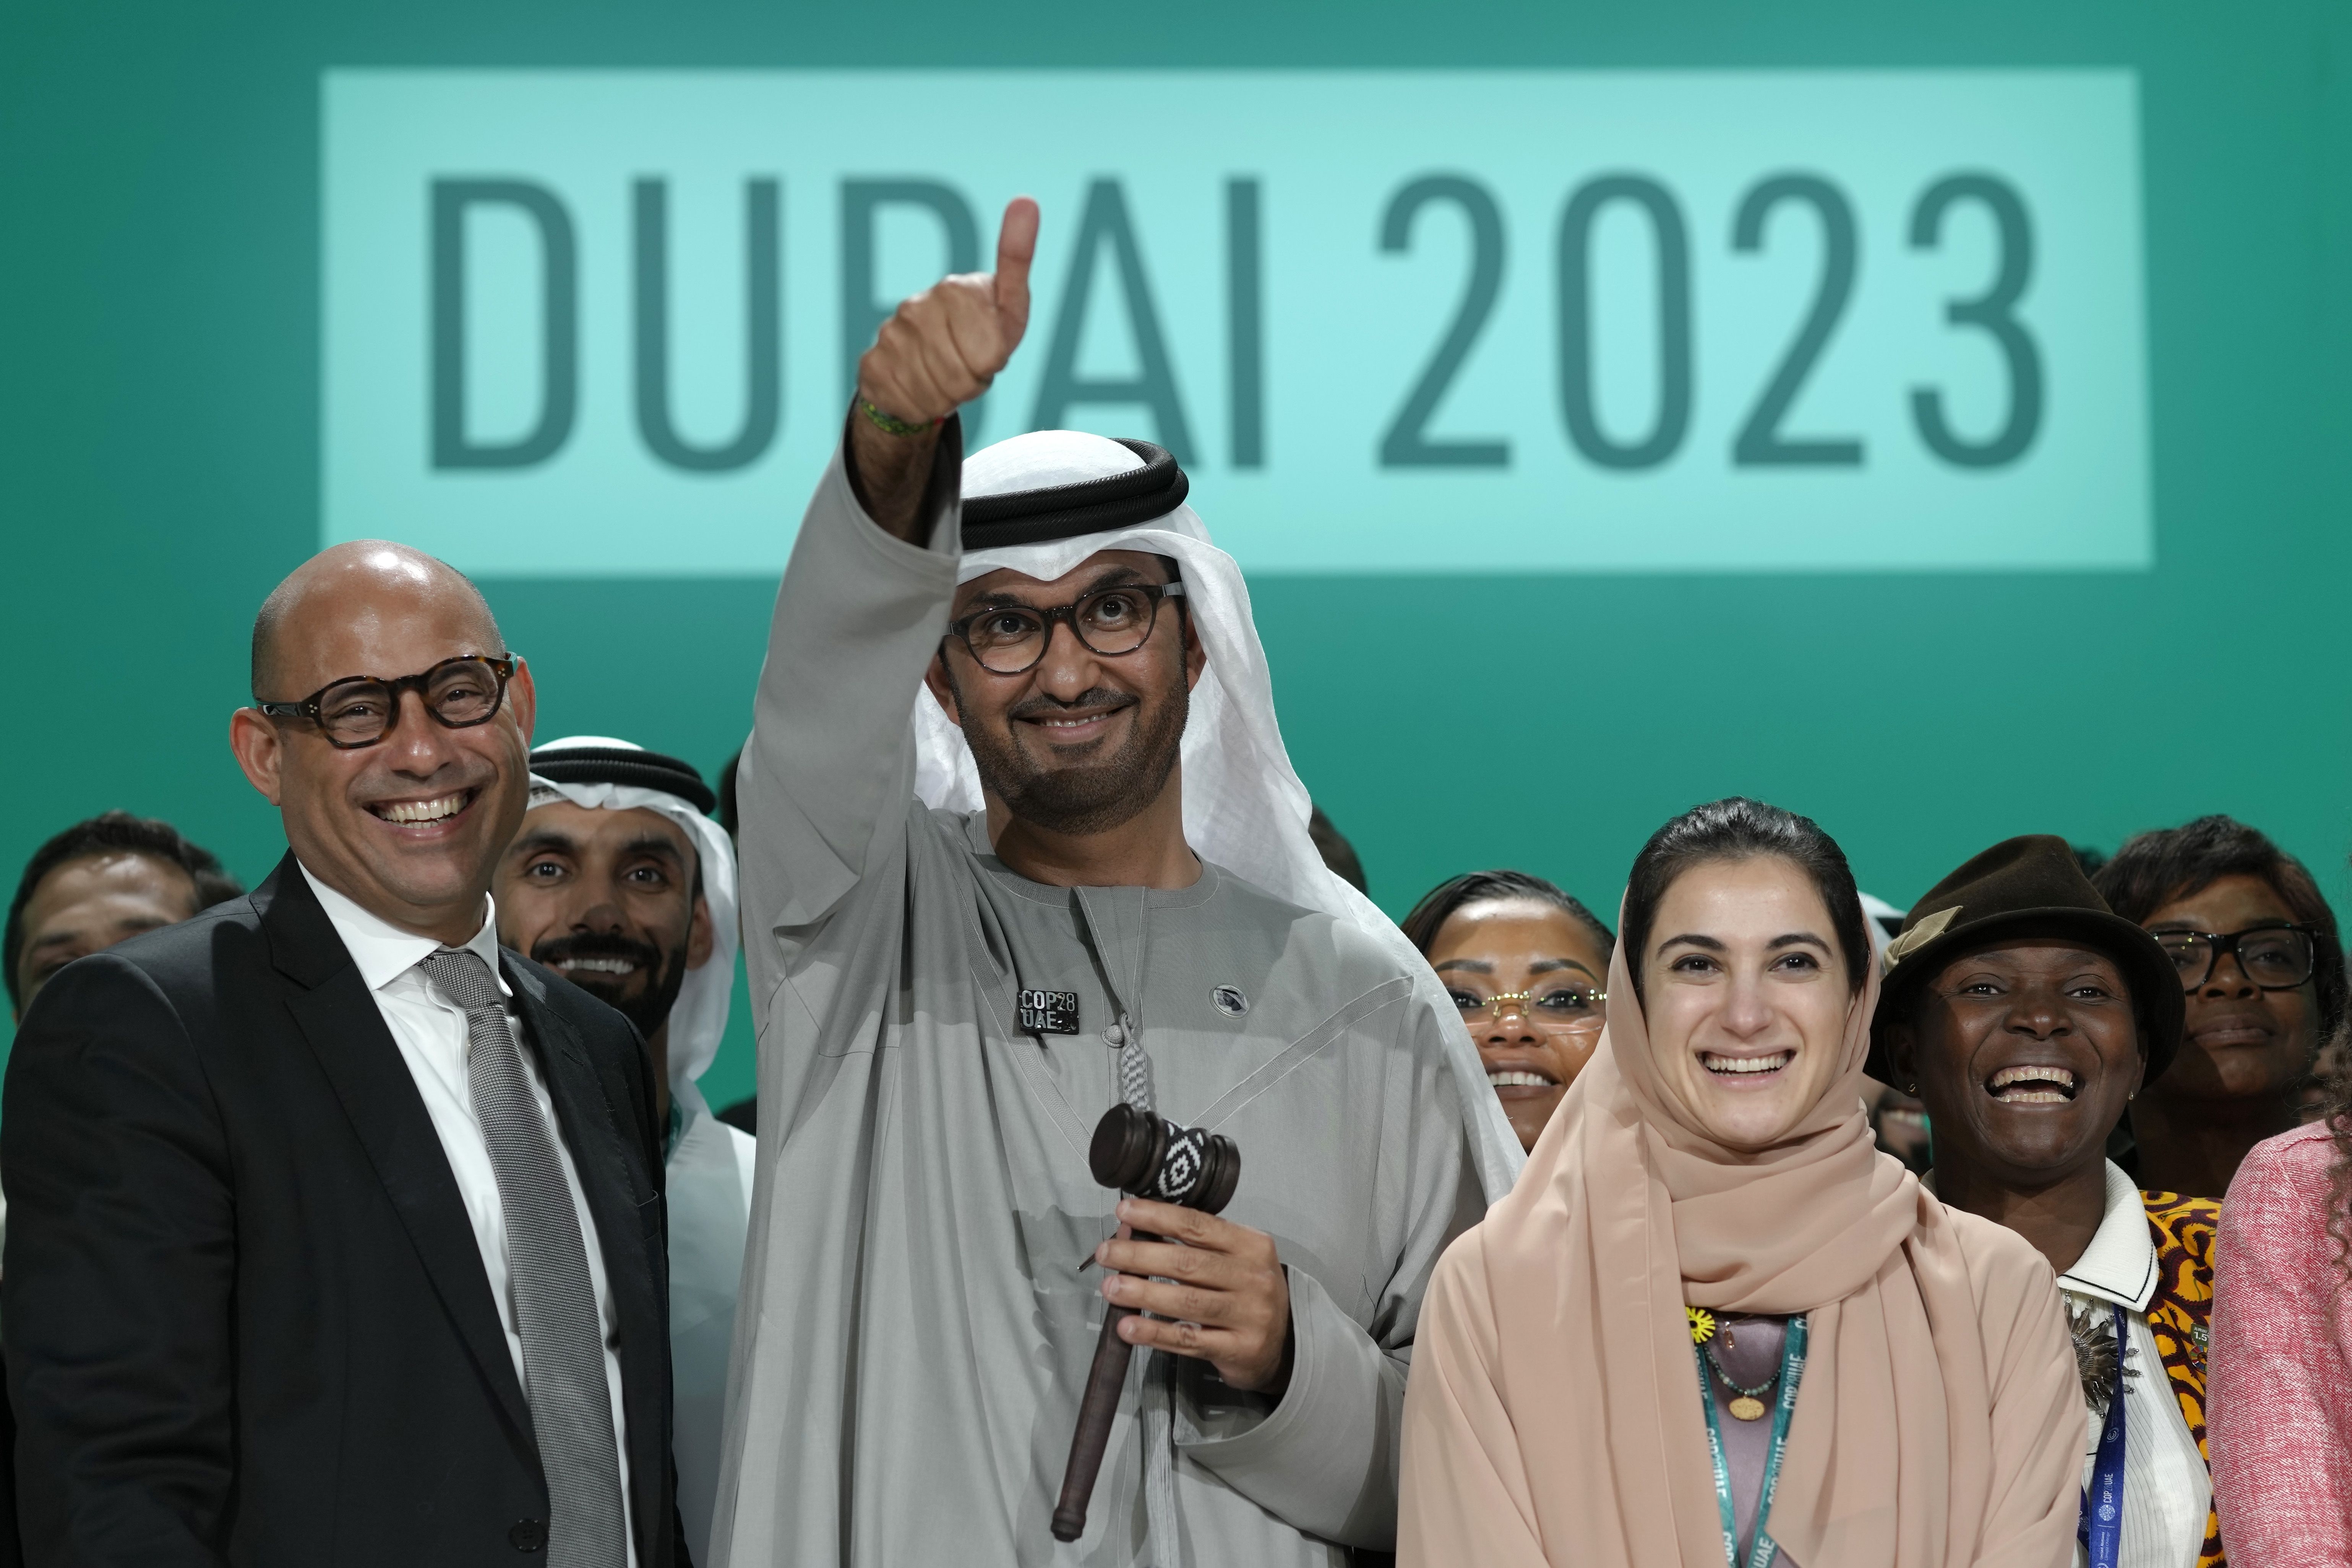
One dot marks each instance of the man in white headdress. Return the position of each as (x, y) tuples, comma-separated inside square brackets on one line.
[(619, 881), (1080, 874)]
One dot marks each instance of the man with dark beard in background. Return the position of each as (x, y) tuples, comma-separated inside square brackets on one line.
[(619, 882)]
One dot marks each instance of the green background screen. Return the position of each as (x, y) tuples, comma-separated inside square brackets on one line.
[(161, 365)]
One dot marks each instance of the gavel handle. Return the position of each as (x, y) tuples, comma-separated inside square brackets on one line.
[(1096, 1410)]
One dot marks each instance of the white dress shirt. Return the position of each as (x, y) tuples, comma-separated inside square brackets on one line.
[(710, 1168), (2166, 1487), (431, 1034)]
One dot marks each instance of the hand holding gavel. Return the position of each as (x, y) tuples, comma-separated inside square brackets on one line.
[(1223, 1284), (1220, 1297)]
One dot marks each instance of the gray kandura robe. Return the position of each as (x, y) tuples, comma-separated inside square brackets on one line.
[(918, 1314)]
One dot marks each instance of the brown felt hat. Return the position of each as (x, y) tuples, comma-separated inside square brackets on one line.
[(2028, 885)]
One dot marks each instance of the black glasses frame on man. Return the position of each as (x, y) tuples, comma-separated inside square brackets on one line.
[(2216, 944), (318, 707), (1042, 624)]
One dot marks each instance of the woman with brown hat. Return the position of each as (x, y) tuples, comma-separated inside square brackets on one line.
[(2025, 1015), (1712, 1326)]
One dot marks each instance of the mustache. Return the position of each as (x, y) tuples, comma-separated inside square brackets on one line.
[(1102, 697), (556, 951)]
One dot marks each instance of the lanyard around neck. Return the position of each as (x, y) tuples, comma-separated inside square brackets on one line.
[(2102, 1527), (1792, 1366)]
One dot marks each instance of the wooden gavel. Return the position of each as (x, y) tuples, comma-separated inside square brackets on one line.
[(1145, 1156)]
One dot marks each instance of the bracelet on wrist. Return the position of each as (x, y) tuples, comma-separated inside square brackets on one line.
[(890, 425)]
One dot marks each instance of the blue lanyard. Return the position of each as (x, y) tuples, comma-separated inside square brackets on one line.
[(1792, 1366), (2102, 1527)]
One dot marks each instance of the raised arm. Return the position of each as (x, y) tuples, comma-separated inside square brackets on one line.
[(120, 1262), (830, 769), (937, 353)]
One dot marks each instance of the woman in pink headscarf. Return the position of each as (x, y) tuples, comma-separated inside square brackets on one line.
[(1712, 1325)]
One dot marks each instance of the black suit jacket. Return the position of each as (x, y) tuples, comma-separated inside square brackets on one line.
[(246, 1317)]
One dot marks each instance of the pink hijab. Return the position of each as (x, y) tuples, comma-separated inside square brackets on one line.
[(1553, 1412)]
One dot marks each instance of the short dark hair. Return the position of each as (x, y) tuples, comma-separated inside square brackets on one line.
[(2153, 868), (1741, 829), (729, 812), (1437, 905), (113, 832)]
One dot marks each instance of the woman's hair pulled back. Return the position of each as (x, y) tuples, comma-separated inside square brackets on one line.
[(1741, 829), (1437, 906)]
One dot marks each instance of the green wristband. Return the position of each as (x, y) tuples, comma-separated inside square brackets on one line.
[(888, 424)]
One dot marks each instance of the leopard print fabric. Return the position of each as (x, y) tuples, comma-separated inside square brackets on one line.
[(2178, 1314)]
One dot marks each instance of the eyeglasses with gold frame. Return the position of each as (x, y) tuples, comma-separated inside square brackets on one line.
[(1564, 1008)]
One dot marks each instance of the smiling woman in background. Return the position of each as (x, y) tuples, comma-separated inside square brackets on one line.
[(1524, 962), (1708, 1290), (2026, 1014), (2257, 953)]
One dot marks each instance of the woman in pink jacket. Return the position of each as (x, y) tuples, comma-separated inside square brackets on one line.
[(2280, 1383)]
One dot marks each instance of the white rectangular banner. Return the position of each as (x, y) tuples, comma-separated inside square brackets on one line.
[(605, 323)]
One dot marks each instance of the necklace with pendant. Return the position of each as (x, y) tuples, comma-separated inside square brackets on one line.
[(1746, 1403), (1761, 1552)]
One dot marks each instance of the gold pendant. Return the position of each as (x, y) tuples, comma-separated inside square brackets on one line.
[(1747, 1408)]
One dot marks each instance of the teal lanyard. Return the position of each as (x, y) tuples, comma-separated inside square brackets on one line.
[(1792, 1366)]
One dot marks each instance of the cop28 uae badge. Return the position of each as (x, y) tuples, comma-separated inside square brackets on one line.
[(1049, 1012)]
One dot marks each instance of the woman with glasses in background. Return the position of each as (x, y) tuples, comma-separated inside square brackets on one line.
[(1524, 962), (2258, 954)]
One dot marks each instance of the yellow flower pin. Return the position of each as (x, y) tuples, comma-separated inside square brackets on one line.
[(1702, 1323)]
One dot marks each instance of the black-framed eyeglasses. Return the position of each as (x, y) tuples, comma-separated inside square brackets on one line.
[(2275, 956), (1561, 1006), (1007, 640), (360, 709)]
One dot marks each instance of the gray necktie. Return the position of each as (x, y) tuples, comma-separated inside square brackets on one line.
[(554, 1301)]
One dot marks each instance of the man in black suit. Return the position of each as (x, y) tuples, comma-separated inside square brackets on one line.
[(335, 1233)]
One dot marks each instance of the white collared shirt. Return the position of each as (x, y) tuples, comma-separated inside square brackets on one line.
[(2166, 1487), (431, 1034)]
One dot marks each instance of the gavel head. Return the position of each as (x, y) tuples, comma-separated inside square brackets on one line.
[(1149, 1157)]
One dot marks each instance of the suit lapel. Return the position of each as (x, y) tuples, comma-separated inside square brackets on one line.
[(346, 1031), (632, 1260)]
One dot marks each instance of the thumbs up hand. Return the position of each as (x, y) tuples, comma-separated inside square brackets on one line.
[(939, 351), (946, 344)]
